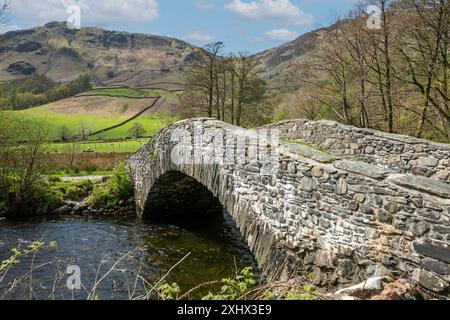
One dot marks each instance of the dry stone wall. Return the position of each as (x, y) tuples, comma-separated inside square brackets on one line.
[(400, 153)]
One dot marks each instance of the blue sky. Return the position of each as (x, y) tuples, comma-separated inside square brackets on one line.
[(243, 25)]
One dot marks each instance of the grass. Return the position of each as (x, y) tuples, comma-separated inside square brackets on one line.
[(321, 149), (130, 92), (55, 120), (129, 146), (75, 174)]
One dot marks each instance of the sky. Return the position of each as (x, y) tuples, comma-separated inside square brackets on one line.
[(243, 25)]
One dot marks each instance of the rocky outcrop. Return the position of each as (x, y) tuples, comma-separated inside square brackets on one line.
[(335, 217), (21, 68), (28, 46)]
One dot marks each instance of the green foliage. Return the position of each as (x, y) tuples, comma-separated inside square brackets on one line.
[(234, 288), (137, 130), (64, 133), (119, 187), (169, 291), (38, 90), (281, 113), (243, 286), (308, 294), (76, 190), (18, 253), (317, 148)]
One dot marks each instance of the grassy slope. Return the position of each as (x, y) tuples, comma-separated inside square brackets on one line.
[(130, 146), (55, 121), (129, 92), (99, 120)]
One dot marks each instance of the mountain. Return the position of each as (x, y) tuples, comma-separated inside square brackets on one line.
[(285, 65), (135, 60), (109, 57)]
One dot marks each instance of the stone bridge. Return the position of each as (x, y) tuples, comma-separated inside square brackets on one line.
[(336, 203)]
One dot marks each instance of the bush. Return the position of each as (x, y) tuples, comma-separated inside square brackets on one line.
[(118, 188), (75, 191)]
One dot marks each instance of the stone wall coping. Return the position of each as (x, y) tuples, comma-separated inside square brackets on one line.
[(307, 152), (390, 136), (421, 183), (362, 168)]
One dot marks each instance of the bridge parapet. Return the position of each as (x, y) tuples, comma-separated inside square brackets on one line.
[(402, 153), (327, 214)]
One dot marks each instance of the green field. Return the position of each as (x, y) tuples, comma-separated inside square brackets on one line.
[(130, 92), (129, 146), (54, 121)]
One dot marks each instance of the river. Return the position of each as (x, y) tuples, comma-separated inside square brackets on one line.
[(95, 244)]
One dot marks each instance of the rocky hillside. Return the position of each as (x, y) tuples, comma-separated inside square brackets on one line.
[(284, 65), (108, 56)]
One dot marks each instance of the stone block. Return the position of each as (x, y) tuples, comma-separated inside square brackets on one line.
[(429, 280), (436, 251), (341, 187), (424, 184), (361, 168)]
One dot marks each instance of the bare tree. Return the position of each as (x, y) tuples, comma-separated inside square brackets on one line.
[(224, 87), (425, 49), (381, 58), (357, 46), (5, 17), (203, 76), (249, 86), (23, 158), (334, 63)]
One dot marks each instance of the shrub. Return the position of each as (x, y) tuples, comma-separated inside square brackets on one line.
[(118, 188)]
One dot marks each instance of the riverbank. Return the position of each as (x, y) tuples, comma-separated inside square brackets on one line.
[(72, 208), (105, 194)]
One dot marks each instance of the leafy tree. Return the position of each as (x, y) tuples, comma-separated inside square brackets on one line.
[(64, 133), (137, 130)]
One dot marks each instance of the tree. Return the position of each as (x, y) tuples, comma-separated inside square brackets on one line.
[(228, 88), (425, 50), (5, 17), (22, 165), (137, 130), (85, 129), (250, 87), (61, 92), (334, 63), (381, 58), (64, 133), (203, 76)]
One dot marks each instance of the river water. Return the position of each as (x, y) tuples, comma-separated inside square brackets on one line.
[(95, 244)]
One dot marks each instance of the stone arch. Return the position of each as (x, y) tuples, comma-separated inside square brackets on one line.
[(340, 218), (176, 195)]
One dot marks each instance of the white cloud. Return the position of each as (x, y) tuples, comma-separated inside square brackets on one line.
[(278, 11), (204, 5), (282, 35), (93, 12), (197, 36)]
